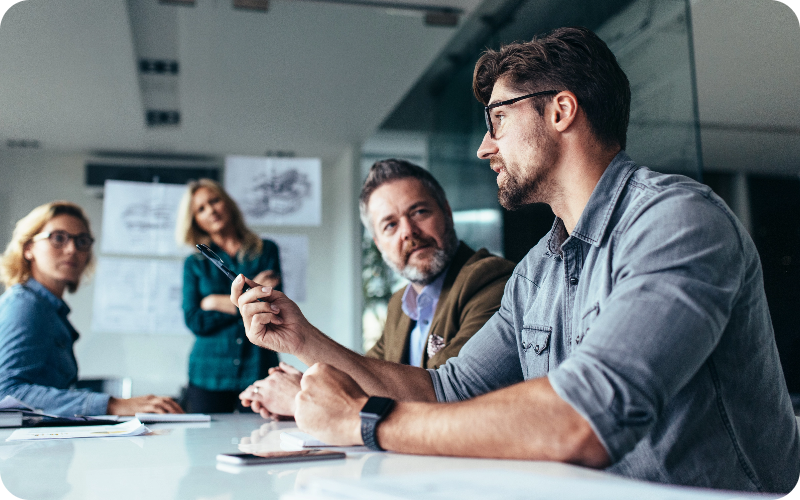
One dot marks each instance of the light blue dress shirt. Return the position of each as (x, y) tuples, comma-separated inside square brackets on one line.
[(37, 364), (421, 308)]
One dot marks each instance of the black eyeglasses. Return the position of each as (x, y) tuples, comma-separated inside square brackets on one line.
[(488, 116), (59, 239)]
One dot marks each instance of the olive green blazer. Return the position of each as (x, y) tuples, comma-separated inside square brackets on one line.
[(470, 295)]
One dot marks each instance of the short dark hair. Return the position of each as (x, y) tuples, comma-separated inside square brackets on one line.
[(573, 59), (384, 171)]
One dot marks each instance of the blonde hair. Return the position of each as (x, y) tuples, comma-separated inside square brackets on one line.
[(187, 232), (14, 267)]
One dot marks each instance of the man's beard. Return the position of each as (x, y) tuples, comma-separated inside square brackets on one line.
[(439, 261), (537, 186)]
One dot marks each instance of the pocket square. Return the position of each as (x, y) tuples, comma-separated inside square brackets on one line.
[(435, 344)]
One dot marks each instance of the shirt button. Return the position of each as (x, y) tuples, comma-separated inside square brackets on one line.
[(425, 322), (239, 341), (573, 281), (236, 362)]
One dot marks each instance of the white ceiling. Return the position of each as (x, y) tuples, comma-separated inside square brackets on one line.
[(748, 84), (311, 77), (304, 77)]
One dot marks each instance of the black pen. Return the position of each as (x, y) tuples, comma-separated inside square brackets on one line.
[(214, 258)]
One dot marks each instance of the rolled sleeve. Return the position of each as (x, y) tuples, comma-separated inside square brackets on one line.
[(678, 270)]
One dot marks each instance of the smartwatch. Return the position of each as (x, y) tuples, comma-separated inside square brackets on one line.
[(371, 414)]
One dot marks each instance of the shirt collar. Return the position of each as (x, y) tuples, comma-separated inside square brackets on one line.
[(42, 292), (594, 219), (431, 291)]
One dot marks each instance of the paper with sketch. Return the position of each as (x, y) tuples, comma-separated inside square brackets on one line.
[(499, 484), (12, 403), (139, 219), (276, 191), (138, 296), (130, 428), (293, 251)]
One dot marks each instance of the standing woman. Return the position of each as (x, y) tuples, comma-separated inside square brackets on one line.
[(49, 251), (222, 362)]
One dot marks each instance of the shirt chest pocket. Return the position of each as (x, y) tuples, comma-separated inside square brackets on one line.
[(536, 350)]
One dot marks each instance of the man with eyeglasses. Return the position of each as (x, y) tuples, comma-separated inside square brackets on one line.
[(634, 337)]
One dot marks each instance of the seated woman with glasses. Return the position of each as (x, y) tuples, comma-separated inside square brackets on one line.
[(50, 249)]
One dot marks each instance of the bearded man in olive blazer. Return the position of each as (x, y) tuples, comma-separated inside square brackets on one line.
[(470, 295), (452, 289)]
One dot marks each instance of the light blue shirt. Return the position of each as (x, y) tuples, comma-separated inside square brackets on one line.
[(651, 321), (37, 364), (421, 308)]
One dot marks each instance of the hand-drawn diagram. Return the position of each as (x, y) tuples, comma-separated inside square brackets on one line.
[(276, 191), (280, 194), (133, 295), (139, 218)]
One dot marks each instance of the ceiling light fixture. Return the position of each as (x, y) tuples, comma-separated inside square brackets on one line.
[(259, 5), (434, 15)]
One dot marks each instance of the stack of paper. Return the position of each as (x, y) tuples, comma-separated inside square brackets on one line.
[(10, 418), (131, 428)]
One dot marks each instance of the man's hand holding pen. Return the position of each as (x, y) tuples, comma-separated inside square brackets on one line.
[(275, 322)]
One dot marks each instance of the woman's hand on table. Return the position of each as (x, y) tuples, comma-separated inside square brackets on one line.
[(142, 404)]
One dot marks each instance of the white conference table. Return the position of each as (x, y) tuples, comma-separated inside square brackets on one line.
[(178, 461)]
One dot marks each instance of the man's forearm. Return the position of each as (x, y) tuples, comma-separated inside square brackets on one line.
[(375, 376), (525, 421)]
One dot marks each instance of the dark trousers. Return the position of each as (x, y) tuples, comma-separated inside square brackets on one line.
[(200, 400)]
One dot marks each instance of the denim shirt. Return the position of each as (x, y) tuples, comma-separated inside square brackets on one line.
[(651, 321), (37, 364)]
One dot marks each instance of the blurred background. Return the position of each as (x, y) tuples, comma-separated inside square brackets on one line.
[(163, 91)]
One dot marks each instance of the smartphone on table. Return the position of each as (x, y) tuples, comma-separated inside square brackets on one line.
[(279, 457)]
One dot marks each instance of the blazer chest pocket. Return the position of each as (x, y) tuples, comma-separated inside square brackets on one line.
[(536, 350)]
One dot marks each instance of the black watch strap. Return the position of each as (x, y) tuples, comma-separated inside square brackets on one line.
[(369, 433), (373, 412)]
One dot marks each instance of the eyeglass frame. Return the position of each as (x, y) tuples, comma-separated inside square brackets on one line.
[(486, 109), (70, 236)]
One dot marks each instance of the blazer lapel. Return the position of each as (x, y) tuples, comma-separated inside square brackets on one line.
[(463, 254), (396, 347)]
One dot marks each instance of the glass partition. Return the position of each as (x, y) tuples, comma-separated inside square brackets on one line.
[(652, 42)]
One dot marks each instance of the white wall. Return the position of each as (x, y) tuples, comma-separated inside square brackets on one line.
[(158, 364)]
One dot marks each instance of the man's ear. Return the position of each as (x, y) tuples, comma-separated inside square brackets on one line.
[(564, 110)]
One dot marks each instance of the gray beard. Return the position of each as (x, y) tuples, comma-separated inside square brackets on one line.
[(441, 259)]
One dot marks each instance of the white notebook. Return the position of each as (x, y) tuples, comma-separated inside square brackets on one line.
[(153, 418), (301, 440)]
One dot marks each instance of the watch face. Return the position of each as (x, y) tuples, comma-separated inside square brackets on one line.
[(377, 406)]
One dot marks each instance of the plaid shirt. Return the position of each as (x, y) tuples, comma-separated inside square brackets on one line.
[(222, 358)]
